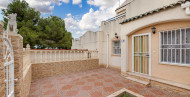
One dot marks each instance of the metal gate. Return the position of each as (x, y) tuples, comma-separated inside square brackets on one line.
[(141, 53), (8, 64)]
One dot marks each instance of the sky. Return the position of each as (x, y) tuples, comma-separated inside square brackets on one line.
[(80, 16)]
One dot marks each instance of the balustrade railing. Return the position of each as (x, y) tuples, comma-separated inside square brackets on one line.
[(26, 58), (47, 56)]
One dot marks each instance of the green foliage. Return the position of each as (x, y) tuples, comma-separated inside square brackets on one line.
[(24, 13), (52, 33), (27, 19), (126, 95), (38, 32)]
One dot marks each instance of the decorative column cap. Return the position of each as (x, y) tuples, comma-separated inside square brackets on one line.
[(27, 47), (12, 24)]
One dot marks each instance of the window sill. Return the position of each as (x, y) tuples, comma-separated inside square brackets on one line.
[(116, 55), (174, 64)]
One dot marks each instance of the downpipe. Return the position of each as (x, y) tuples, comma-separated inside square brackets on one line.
[(107, 50)]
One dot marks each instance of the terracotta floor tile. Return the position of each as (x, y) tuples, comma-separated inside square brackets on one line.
[(108, 80), (91, 80), (134, 89), (148, 95), (50, 92), (67, 87), (109, 89), (100, 77), (118, 84), (91, 83), (87, 88), (159, 92), (80, 83), (96, 94), (98, 83), (49, 86), (34, 95), (71, 93)]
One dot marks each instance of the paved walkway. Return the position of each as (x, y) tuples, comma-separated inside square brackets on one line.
[(92, 83)]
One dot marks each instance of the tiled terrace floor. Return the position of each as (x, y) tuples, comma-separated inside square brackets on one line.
[(92, 83)]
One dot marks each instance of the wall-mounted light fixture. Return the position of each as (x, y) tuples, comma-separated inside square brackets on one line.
[(116, 36), (153, 30)]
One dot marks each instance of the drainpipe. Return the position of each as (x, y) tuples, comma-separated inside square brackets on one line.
[(187, 7), (107, 50)]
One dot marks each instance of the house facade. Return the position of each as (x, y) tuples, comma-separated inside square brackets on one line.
[(149, 41), (163, 53)]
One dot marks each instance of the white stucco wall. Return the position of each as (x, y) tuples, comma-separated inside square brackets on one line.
[(111, 28), (137, 7), (87, 41)]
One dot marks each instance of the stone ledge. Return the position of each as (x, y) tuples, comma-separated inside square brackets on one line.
[(175, 84), (116, 94), (138, 81)]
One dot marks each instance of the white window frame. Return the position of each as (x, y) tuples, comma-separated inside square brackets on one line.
[(113, 52), (160, 44)]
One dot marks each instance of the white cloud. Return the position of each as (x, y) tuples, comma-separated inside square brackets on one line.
[(80, 32), (71, 23), (65, 1), (80, 5), (102, 3), (92, 19), (44, 6), (4, 3), (77, 1)]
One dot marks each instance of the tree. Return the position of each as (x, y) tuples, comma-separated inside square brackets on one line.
[(38, 32), (27, 19), (53, 34)]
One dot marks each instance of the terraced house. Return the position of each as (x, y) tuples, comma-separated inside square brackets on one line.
[(148, 41), (144, 51)]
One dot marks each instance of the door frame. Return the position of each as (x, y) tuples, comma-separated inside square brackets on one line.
[(149, 34)]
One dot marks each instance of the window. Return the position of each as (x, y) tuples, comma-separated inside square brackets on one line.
[(116, 48), (175, 46)]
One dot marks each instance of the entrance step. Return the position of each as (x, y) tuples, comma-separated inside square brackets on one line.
[(138, 81)]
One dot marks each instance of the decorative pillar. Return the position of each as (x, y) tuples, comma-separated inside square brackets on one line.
[(2, 76), (17, 43)]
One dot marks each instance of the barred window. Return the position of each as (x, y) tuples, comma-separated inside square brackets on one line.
[(116, 48), (175, 46)]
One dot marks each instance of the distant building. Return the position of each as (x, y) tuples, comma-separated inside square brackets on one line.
[(88, 41)]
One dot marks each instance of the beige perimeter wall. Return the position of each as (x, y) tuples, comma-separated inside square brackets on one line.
[(175, 73), (43, 70)]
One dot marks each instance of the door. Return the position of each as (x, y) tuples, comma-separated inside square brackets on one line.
[(141, 53)]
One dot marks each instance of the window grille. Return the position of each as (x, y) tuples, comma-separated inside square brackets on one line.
[(116, 48), (175, 46)]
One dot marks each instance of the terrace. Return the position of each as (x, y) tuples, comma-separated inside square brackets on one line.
[(99, 82), (76, 73)]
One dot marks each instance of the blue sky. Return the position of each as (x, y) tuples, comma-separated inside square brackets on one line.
[(79, 15), (67, 8)]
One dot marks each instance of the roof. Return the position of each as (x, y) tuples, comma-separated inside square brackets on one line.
[(151, 12)]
